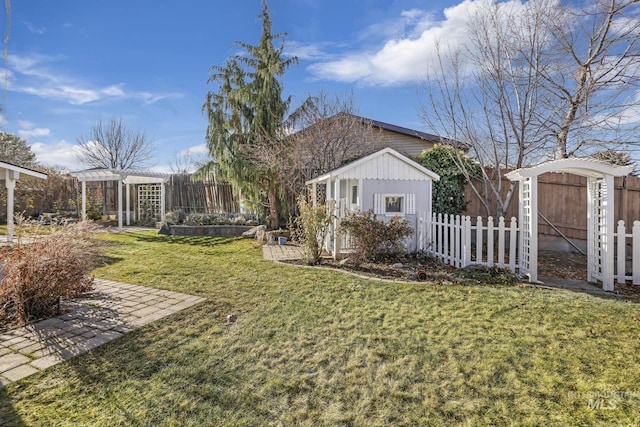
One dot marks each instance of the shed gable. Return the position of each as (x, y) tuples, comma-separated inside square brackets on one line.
[(385, 166)]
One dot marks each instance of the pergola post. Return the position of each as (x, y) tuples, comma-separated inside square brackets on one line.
[(336, 219), (120, 203), (128, 203), (84, 201), (162, 201), (10, 183)]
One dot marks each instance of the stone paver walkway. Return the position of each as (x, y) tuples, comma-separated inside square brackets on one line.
[(286, 252), (109, 311)]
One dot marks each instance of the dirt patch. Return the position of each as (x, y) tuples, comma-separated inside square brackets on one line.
[(562, 265)]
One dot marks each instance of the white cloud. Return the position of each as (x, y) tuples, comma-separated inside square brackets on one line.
[(195, 150), (35, 132), (410, 47), (59, 154), (3, 121), (33, 74), (307, 51), (34, 29), (28, 129)]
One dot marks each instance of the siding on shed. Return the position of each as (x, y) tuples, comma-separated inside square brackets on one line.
[(384, 167)]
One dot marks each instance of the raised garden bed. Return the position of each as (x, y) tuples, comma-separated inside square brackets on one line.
[(208, 230)]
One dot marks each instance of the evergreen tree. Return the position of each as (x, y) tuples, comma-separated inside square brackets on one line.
[(247, 113), (15, 150)]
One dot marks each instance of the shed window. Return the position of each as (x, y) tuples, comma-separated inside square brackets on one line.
[(354, 195), (394, 204)]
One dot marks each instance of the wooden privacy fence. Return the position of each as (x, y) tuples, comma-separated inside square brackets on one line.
[(459, 243), (628, 253)]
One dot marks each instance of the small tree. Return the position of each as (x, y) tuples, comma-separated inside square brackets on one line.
[(313, 224), (455, 169)]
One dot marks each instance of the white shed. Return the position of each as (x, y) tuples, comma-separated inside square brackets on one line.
[(385, 182)]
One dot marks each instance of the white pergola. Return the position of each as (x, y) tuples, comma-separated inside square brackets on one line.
[(600, 214), (127, 178), (11, 174)]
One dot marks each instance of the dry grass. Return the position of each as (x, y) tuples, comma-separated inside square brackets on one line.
[(315, 347)]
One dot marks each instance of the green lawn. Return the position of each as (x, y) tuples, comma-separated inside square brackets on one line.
[(315, 347)]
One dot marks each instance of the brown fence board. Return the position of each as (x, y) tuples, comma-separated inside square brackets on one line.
[(562, 199)]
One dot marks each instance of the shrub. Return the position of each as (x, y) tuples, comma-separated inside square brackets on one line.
[(454, 169), (35, 275), (374, 239), (312, 226), (176, 217)]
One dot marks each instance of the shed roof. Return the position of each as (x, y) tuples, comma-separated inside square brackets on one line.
[(582, 167), (127, 177), (386, 164)]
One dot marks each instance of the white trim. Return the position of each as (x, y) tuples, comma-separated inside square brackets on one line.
[(341, 170), (582, 167)]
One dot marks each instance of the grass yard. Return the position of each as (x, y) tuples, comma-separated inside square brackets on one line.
[(314, 347)]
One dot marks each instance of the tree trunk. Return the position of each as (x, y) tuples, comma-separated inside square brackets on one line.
[(273, 208)]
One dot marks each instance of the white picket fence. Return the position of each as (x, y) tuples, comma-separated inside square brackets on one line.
[(451, 238), (628, 254)]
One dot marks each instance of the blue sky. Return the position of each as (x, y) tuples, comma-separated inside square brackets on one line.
[(74, 62)]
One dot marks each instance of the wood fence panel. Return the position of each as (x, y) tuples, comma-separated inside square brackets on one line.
[(562, 199)]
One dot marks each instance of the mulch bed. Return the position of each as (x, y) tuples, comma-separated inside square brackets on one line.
[(563, 265)]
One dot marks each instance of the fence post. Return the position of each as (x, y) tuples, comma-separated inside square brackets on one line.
[(501, 241), (440, 243), (490, 241), (635, 231), (433, 236), (479, 232), (622, 253), (513, 232), (456, 242), (467, 241)]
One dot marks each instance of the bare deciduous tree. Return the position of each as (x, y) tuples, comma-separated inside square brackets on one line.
[(112, 145), (592, 76), (532, 83), (321, 135), (330, 135)]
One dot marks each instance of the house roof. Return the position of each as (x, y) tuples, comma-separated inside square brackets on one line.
[(6, 166), (582, 167), (127, 177), (435, 139), (384, 164), (410, 132)]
